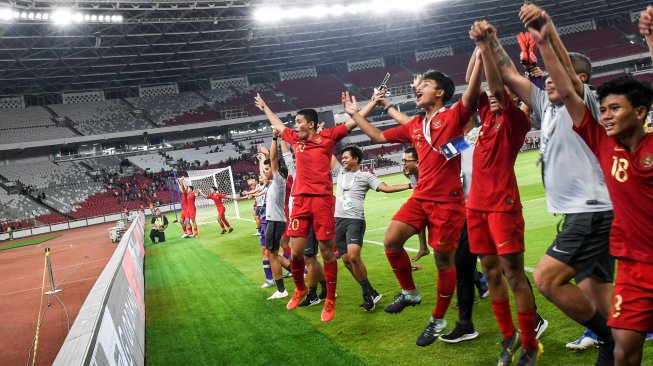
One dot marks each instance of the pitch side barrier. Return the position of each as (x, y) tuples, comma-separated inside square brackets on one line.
[(110, 326)]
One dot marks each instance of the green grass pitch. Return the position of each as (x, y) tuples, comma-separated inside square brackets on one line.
[(204, 306)]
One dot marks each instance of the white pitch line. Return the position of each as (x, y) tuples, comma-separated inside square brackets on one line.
[(534, 199), (377, 229)]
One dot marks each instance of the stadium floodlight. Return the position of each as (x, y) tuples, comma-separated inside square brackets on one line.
[(62, 17), (6, 14), (274, 14)]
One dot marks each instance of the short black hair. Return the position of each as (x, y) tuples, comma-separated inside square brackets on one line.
[(638, 93), (581, 64), (191, 188), (411, 150), (354, 151), (267, 162), (214, 188), (444, 82), (310, 115)]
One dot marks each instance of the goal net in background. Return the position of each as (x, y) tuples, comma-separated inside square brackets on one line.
[(203, 180), (367, 165)]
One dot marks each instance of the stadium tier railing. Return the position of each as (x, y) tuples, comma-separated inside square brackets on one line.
[(110, 326)]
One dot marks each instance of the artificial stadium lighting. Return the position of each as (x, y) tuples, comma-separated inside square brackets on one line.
[(379, 7), (5, 14), (62, 17)]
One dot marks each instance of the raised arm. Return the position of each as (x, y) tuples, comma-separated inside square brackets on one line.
[(274, 152), (511, 77), (573, 102), (470, 96), (531, 16), (470, 69), (276, 122), (495, 82), (349, 103), (390, 109), (646, 27)]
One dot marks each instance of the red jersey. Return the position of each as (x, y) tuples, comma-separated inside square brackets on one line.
[(494, 185), (313, 160), (217, 199), (190, 201), (439, 178), (184, 200), (629, 177)]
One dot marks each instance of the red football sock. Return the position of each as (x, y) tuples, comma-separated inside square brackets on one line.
[(527, 324), (297, 269), (400, 263), (446, 287), (331, 274), (502, 313)]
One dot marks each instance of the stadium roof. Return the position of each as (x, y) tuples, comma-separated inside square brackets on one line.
[(179, 41)]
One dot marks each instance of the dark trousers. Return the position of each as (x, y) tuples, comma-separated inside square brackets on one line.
[(465, 277), (154, 234)]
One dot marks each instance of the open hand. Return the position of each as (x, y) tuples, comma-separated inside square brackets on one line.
[(646, 22), (349, 103), (259, 102)]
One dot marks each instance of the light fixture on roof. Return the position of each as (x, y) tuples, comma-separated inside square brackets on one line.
[(61, 16), (275, 14)]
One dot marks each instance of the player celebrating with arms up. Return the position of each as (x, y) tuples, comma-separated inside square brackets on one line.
[(437, 201), (217, 198)]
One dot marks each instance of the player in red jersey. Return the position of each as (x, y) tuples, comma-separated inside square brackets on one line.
[(217, 198), (313, 200), (183, 218), (437, 201), (191, 211), (495, 222), (625, 152)]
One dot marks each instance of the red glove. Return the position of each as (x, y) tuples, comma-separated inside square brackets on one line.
[(524, 46)]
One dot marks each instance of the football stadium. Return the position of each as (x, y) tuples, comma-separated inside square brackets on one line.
[(295, 182)]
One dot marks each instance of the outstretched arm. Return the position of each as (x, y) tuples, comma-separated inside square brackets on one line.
[(349, 103), (276, 122), (531, 16), (392, 188), (390, 109), (646, 27), (573, 102)]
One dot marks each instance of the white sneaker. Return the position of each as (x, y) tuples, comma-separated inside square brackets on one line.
[(267, 283), (584, 342), (278, 295), (184, 236)]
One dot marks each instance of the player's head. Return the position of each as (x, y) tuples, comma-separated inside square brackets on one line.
[(191, 188), (434, 86), (157, 212), (551, 92), (625, 103), (267, 169), (214, 189), (410, 161), (351, 157), (306, 123), (582, 66)]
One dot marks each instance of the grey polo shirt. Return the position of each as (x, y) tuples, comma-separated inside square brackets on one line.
[(355, 186), (275, 198), (573, 180)]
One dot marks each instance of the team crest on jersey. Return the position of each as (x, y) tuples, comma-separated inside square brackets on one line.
[(437, 124), (647, 161), (318, 139), (497, 126)]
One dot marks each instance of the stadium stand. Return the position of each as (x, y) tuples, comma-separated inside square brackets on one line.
[(99, 117), (153, 162), (46, 174), (167, 107)]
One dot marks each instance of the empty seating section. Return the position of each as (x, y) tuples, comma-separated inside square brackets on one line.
[(100, 117), (202, 154), (20, 206), (25, 117), (166, 107), (67, 198), (202, 114), (46, 174), (454, 66), (218, 95), (153, 162), (613, 43), (110, 164), (16, 135), (312, 92)]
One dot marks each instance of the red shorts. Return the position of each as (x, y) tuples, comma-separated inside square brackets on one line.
[(632, 298), (190, 214), (445, 221), (183, 215), (494, 232), (316, 211), (221, 211)]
